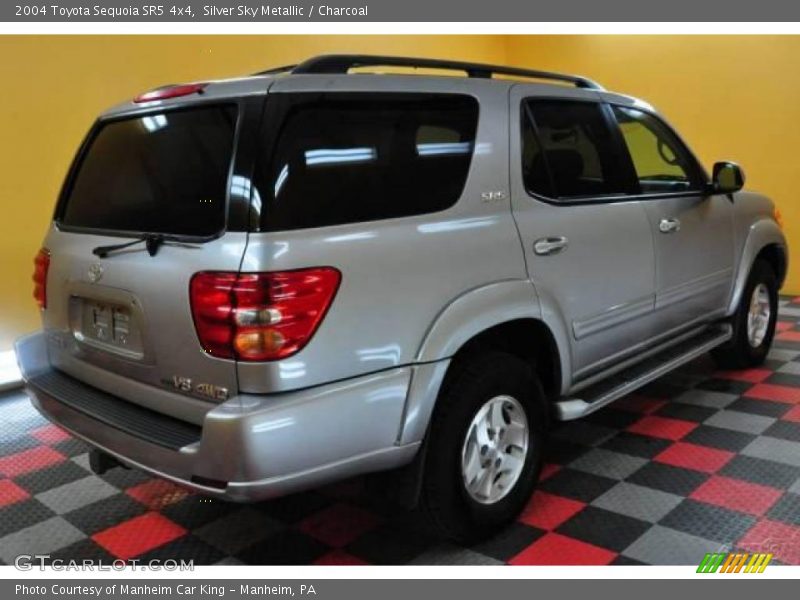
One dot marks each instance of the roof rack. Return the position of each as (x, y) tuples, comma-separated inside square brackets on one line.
[(342, 63)]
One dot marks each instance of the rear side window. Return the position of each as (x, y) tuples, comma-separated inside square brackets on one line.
[(348, 158), (161, 173), (569, 151)]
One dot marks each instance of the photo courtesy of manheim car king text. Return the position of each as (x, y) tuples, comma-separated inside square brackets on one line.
[(356, 301)]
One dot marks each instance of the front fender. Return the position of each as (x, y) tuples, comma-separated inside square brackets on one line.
[(760, 234)]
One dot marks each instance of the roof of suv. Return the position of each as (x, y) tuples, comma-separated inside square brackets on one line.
[(477, 76)]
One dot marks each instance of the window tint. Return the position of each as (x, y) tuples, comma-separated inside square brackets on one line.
[(163, 173), (659, 159), (345, 158), (568, 151)]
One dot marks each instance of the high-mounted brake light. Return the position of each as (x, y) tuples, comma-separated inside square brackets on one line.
[(41, 264), (173, 91), (260, 316)]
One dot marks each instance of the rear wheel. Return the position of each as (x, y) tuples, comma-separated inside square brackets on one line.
[(485, 446), (754, 321)]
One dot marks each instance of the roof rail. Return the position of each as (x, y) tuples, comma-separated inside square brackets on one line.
[(276, 70), (342, 63)]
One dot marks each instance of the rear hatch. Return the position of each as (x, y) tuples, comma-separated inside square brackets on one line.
[(150, 200)]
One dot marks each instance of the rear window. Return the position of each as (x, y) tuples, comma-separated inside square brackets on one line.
[(348, 158), (161, 173)]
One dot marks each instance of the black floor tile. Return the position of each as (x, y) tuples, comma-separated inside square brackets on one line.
[(760, 471), (667, 478), (708, 521), (604, 528), (717, 437), (105, 513), (636, 444), (577, 485), (509, 542)]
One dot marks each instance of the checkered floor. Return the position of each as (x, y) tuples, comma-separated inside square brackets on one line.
[(700, 461)]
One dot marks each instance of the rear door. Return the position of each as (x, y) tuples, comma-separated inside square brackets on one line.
[(123, 322), (588, 244)]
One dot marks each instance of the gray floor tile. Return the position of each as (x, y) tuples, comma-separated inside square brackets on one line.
[(768, 448), (782, 354), (739, 421), (43, 538), (608, 464), (74, 495), (707, 398), (665, 546), (638, 501), (792, 368), (82, 460)]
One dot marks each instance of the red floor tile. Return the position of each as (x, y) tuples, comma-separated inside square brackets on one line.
[(662, 427), (748, 375), (789, 336), (548, 470), (776, 393), (792, 415), (557, 549), (138, 535), (50, 434), (340, 524), (11, 493), (692, 456), (547, 511), (157, 493), (738, 495), (778, 538), (339, 557), (29, 460)]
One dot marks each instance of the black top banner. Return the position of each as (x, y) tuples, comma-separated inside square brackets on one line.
[(242, 11)]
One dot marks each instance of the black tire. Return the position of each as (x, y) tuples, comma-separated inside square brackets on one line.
[(739, 352), (444, 499)]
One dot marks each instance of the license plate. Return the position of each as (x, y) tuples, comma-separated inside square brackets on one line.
[(107, 324)]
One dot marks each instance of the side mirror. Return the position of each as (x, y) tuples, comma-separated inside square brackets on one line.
[(727, 178)]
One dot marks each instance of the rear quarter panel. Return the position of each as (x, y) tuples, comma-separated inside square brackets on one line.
[(398, 275)]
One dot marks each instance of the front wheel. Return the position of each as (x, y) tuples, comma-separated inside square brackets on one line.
[(485, 447), (754, 321)]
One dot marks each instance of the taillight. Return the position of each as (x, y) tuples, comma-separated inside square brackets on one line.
[(41, 264), (172, 91), (260, 316)]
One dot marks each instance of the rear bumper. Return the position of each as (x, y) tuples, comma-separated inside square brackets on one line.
[(251, 447)]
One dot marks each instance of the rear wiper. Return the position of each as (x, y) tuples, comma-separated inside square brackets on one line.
[(152, 242)]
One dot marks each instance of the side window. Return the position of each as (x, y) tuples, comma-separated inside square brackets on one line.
[(569, 151), (347, 157), (661, 162)]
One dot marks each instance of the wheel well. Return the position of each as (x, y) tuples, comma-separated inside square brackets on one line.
[(776, 257), (530, 340)]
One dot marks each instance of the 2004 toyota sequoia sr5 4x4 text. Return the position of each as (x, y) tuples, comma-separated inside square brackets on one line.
[(260, 285)]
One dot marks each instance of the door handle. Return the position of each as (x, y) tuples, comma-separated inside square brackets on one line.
[(550, 245), (669, 225)]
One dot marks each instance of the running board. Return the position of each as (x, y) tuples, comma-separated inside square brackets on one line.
[(616, 386)]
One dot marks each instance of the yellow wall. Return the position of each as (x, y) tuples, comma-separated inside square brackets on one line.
[(54, 86), (731, 97)]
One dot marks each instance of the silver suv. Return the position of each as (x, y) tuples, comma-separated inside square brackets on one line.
[(259, 285)]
